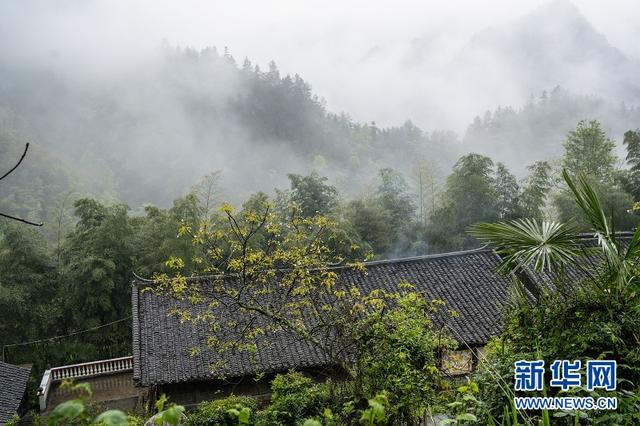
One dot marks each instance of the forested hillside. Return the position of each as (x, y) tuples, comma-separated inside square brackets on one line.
[(146, 136), (537, 127), (148, 140)]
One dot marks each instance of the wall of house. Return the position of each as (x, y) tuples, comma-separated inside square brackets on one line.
[(455, 363), (192, 393)]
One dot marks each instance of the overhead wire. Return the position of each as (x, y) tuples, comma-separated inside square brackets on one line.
[(62, 336)]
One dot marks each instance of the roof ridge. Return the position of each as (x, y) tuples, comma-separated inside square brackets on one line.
[(483, 248), (135, 329), (480, 249)]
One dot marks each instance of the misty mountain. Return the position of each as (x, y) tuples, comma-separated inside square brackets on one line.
[(552, 46), (147, 132), (568, 72)]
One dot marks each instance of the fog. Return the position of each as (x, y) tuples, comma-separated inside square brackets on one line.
[(349, 52), (439, 64)]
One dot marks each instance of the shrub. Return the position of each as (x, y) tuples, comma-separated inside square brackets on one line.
[(13, 421), (217, 412), (294, 397)]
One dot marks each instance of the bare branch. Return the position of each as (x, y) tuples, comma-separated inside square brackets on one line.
[(26, 148), (24, 154), (21, 220)]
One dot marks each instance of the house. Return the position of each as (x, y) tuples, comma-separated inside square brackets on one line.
[(164, 359), (13, 382)]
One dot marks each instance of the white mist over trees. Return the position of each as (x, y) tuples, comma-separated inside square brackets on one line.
[(139, 119)]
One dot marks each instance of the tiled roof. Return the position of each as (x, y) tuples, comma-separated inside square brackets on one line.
[(13, 381), (466, 281)]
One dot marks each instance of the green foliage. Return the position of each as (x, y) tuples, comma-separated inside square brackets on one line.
[(600, 329), (97, 261), (615, 201), (461, 411), (328, 419), (373, 224), (469, 197), (525, 243), (84, 281), (219, 411), (27, 283), (78, 412), (172, 414), (589, 155), (536, 190), (589, 152), (67, 412), (507, 193), (386, 220), (241, 415), (376, 413), (396, 202), (426, 180), (155, 239), (257, 247), (293, 397), (631, 179), (398, 352), (312, 194), (393, 196), (112, 418), (536, 129), (13, 421), (33, 190)]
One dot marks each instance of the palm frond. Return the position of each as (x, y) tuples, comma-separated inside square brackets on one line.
[(588, 201), (628, 264), (620, 263), (633, 249), (525, 243)]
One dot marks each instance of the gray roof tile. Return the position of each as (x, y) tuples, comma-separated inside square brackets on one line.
[(13, 381)]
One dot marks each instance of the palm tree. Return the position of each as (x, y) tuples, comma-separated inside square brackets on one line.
[(552, 246), (599, 318)]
